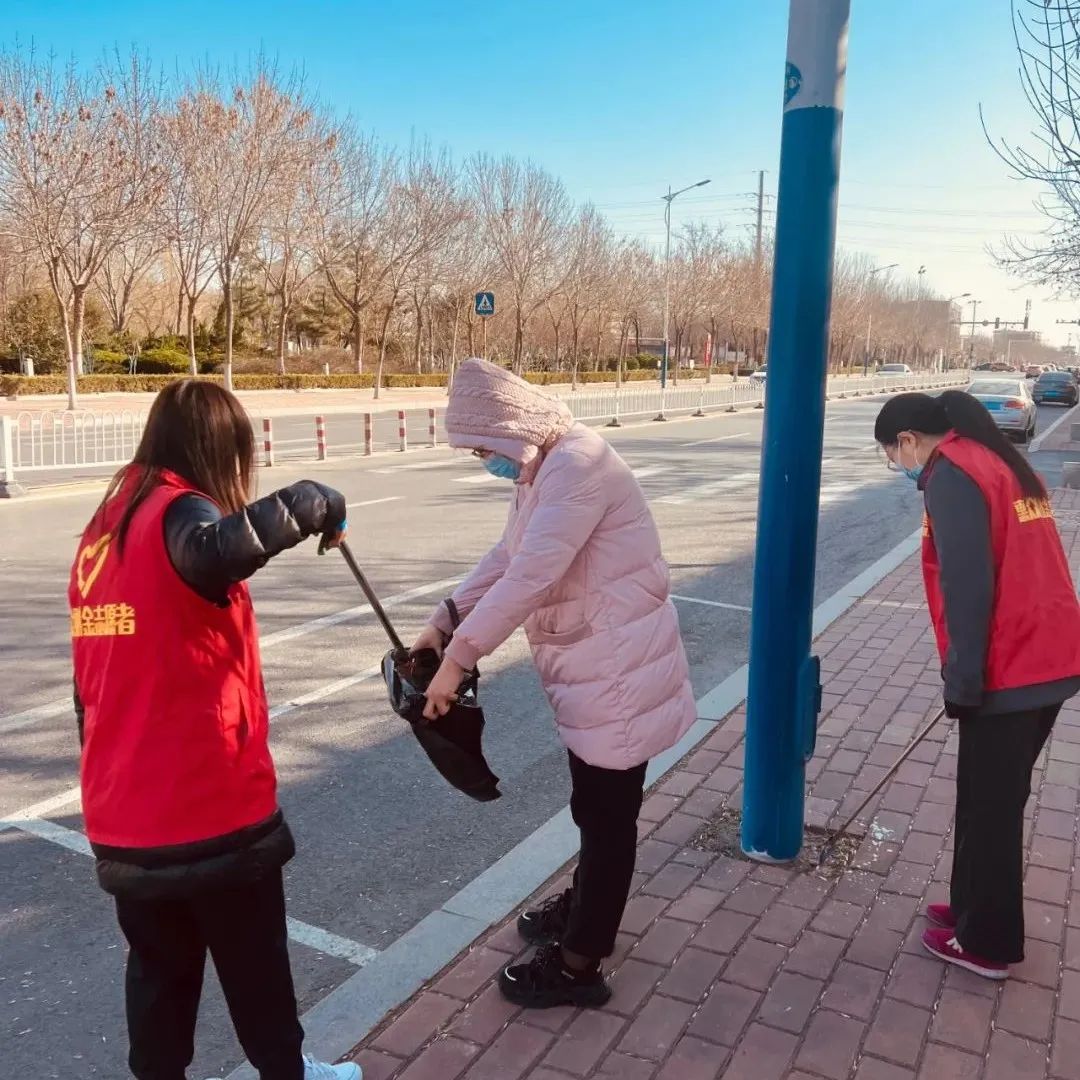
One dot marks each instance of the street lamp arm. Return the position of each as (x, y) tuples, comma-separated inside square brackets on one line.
[(682, 191)]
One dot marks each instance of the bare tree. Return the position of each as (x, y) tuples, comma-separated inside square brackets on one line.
[(1047, 34), (524, 213), (122, 272), (284, 250), (254, 139), (352, 193), (634, 285), (422, 210), (80, 171), (187, 210)]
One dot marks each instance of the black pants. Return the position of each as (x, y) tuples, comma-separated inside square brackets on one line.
[(244, 931), (993, 782), (605, 804)]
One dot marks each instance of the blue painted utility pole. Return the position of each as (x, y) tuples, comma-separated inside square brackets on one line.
[(784, 697)]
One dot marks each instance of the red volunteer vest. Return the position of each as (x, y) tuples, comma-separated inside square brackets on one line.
[(1035, 625), (175, 739)]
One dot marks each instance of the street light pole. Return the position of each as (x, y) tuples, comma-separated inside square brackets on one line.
[(870, 318), (669, 198), (785, 680), (951, 300), (918, 317), (971, 342)]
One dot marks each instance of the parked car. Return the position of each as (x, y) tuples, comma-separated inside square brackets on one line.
[(895, 369), (1010, 403), (1033, 371), (758, 377), (1056, 387)]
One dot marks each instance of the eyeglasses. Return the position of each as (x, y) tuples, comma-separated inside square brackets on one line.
[(886, 460)]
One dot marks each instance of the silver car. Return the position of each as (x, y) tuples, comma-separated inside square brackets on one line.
[(1010, 403)]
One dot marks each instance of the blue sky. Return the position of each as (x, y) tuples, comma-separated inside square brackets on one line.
[(619, 99)]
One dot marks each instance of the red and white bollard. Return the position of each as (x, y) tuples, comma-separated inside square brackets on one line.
[(432, 433), (368, 437), (320, 438), (268, 442), (403, 442)]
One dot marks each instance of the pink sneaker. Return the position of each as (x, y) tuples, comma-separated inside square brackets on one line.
[(941, 915), (943, 945)]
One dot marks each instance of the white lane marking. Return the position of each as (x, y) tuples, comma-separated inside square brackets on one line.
[(55, 834), (32, 716), (314, 937), (715, 487), (350, 614), (45, 807), (850, 453), (323, 692), (64, 705), (1036, 443), (374, 502), (709, 603), (441, 464), (719, 438), (482, 478), (701, 491), (650, 470)]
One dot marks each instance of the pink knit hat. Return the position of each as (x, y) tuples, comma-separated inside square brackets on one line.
[(492, 409)]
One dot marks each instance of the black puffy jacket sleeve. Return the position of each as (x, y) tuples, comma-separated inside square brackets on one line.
[(212, 551)]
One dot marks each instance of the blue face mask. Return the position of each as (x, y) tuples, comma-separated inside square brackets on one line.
[(914, 473), (502, 467)]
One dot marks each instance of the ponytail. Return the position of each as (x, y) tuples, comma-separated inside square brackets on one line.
[(957, 411)]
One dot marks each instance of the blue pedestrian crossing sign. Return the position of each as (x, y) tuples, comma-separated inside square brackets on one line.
[(485, 304)]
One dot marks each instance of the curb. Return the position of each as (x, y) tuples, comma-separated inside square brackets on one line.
[(349, 1013), (1037, 442)]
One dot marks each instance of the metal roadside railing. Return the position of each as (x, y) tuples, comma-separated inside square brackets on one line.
[(57, 441)]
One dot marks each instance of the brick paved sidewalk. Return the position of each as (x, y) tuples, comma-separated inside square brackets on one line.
[(730, 969)]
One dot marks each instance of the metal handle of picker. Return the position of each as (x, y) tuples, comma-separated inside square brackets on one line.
[(827, 847), (372, 599)]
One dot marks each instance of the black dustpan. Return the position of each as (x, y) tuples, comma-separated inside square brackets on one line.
[(453, 743)]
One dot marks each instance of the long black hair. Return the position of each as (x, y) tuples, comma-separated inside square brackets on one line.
[(199, 431), (956, 411)]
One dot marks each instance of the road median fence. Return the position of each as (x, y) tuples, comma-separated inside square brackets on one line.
[(33, 444)]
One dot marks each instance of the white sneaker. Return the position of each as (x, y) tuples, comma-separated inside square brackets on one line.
[(319, 1070)]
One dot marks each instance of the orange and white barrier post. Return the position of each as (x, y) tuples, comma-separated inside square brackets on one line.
[(403, 441), (368, 438), (320, 438), (433, 436)]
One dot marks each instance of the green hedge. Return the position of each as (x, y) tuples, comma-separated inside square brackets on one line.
[(19, 385)]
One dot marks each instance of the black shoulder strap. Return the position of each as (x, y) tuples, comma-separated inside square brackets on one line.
[(455, 616)]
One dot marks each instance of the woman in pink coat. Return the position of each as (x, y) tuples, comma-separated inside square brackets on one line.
[(579, 566)]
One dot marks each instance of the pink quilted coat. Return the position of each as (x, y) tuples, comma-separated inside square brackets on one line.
[(579, 564)]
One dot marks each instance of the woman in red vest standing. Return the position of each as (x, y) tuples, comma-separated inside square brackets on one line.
[(1007, 623), (178, 787)]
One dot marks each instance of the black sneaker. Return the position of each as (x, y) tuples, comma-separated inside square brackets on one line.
[(546, 981), (547, 923)]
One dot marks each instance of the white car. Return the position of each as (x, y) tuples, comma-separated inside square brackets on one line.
[(1009, 402), (895, 369), (758, 377)]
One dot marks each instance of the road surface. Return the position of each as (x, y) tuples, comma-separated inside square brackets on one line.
[(382, 840)]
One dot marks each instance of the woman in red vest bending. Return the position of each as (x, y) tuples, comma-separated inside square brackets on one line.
[(178, 788), (1007, 622)]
